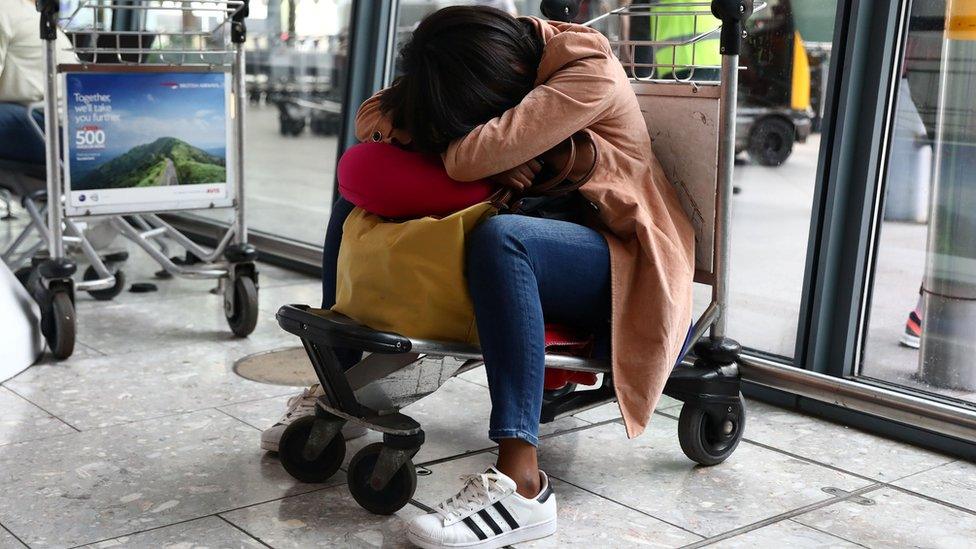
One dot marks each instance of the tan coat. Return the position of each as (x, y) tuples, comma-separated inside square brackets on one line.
[(581, 85)]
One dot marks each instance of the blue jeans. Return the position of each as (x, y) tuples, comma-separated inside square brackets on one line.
[(19, 141), (522, 272)]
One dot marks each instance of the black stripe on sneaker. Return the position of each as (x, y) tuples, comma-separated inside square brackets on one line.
[(506, 515), (473, 526), (545, 494), (490, 521)]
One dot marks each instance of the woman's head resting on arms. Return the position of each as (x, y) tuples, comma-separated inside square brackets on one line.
[(463, 66)]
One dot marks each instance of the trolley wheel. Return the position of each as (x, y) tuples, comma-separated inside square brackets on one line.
[(324, 124), (291, 126), (389, 499), (244, 317), (707, 441), (62, 340), (108, 293), (771, 141), (313, 471)]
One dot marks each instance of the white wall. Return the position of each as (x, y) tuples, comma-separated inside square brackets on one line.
[(21, 342)]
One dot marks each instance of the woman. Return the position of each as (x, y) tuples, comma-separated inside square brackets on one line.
[(494, 95)]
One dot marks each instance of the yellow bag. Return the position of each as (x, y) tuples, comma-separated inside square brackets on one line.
[(408, 277)]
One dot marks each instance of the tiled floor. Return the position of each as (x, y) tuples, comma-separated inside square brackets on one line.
[(146, 438)]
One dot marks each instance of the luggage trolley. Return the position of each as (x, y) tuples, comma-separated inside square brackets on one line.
[(217, 52), (312, 93), (682, 115)]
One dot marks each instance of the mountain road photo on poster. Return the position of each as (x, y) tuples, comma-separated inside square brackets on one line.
[(165, 161)]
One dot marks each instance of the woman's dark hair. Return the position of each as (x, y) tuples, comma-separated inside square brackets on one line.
[(463, 66)]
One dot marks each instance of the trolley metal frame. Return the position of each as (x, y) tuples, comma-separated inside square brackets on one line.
[(399, 370), (231, 262)]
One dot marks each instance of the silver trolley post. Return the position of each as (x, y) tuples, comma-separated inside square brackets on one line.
[(239, 288), (732, 13), (238, 32), (52, 287), (49, 33)]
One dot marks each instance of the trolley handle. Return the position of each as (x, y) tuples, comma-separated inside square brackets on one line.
[(49, 10), (560, 10), (732, 13), (238, 28)]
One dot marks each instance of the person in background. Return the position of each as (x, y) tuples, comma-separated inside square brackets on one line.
[(675, 62), (22, 79), (917, 112)]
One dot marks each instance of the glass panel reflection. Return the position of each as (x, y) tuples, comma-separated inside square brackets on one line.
[(922, 315), (296, 64)]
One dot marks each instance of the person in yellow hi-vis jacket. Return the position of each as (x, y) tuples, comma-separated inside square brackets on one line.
[(695, 55), (673, 61)]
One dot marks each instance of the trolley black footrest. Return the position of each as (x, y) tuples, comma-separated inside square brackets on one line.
[(575, 402), (704, 384), (392, 425), (330, 328), (116, 257)]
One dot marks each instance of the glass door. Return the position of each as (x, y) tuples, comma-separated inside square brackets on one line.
[(782, 88), (296, 64), (296, 83), (919, 328)]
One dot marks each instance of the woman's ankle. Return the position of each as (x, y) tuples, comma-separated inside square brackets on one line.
[(529, 485), (518, 461)]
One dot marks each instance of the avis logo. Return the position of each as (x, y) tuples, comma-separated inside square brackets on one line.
[(213, 190)]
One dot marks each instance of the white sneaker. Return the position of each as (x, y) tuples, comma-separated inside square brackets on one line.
[(486, 513), (300, 406)]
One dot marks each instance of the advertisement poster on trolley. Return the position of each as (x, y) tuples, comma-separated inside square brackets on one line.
[(146, 141)]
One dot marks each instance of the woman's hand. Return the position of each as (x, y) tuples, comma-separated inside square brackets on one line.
[(558, 156), (519, 178)]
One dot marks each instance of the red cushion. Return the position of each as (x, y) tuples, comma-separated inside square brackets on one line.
[(566, 341), (392, 182)]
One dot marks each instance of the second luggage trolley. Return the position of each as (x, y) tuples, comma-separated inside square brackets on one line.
[(692, 126), (152, 121)]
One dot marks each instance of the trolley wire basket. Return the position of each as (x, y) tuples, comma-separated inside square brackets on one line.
[(665, 40), (177, 46)]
